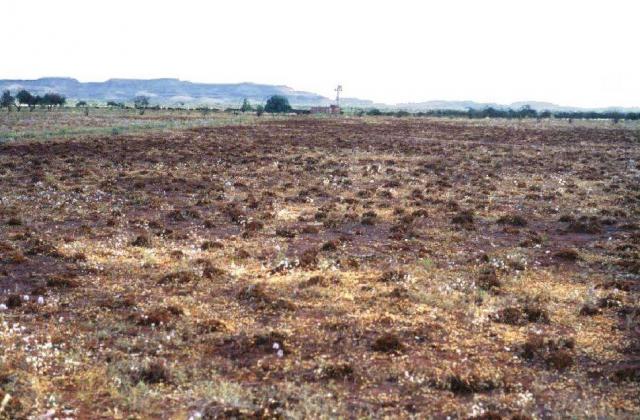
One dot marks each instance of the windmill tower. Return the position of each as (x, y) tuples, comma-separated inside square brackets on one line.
[(338, 90)]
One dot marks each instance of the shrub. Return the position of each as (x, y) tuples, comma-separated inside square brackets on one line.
[(6, 101), (141, 103), (387, 343), (153, 372), (246, 106)]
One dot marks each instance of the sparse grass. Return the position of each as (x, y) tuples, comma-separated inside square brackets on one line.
[(317, 267), (68, 123)]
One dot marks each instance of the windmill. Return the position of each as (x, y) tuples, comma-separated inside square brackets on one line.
[(338, 90)]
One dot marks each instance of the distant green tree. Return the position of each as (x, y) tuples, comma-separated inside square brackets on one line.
[(246, 106), (277, 104), (141, 102), (59, 100), (36, 100), (7, 100), (53, 99), (24, 97), (259, 110)]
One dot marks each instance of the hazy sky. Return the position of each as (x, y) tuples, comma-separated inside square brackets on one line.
[(583, 53)]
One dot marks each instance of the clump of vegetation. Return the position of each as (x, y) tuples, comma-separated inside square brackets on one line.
[(179, 277), (152, 372), (567, 254), (556, 353), (210, 271), (314, 281), (339, 371), (257, 296), (585, 224), (394, 276), (609, 301), (254, 226), (589, 309), (560, 359), (513, 220), (62, 282), (309, 258), (14, 301), (159, 316), (330, 246), (626, 372), (387, 343), (285, 233), (211, 325), (465, 218), (144, 241), (470, 384), (488, 278), (368, 219), (530, 312), (14, 221), (211, 245)]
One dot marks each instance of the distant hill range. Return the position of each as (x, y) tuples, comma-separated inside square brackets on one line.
[(179, 92), (163, 91)]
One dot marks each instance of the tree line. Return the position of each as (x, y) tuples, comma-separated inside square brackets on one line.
[(280, 104), (524, 112), (24, 97)]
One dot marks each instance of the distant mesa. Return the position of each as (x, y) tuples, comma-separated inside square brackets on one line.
[(163, 91)]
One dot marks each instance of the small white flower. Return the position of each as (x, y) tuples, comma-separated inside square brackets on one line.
[(25, 298), (280, 353), (196, 415), (40, 300), (3, 307), (276, 346)]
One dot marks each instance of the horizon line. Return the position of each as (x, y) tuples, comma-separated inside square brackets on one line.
[(489, 103)]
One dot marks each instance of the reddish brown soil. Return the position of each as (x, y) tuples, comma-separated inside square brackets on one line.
[(309, 268)]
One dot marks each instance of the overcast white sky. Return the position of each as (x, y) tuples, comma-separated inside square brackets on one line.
[(581, 53)]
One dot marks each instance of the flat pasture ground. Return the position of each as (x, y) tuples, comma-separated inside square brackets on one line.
[(66, 123), (318, 268)]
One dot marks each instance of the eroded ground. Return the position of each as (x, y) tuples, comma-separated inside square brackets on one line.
[(323, 268)]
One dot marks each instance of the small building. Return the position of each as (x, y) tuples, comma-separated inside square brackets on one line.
[(331, 109)]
